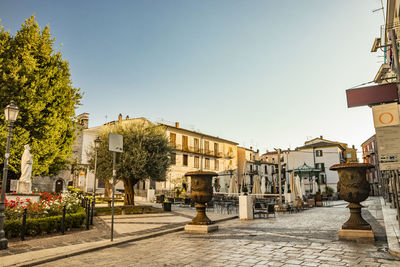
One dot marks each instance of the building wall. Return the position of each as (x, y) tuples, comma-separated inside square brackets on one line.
[(370, 155), (224, 161), (294, 159)]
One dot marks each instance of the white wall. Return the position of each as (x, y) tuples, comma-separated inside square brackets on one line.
[(330, 156)]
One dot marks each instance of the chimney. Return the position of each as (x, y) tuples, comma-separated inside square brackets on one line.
[(120, 117), (177, 124), (321, 137), (353, 147), (251, 148), (127, 117)]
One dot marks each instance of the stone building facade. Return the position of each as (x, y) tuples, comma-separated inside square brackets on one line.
[(370, 155), (195, 151)]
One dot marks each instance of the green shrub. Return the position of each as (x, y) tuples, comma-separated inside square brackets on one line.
[(45, 225)]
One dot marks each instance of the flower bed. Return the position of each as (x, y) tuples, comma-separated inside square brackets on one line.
[(46, 215)]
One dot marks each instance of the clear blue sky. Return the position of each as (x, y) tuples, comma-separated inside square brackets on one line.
[(261, 73)]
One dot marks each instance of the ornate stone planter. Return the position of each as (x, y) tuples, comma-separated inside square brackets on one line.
[(201, 193), (353, 187)]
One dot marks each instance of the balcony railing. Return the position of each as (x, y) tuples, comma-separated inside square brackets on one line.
[(197, 150)]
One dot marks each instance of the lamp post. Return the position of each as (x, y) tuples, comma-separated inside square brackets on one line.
[(11, 113), (97, 143)]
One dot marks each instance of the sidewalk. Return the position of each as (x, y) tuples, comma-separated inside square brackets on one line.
[(127, 228), (391, 227)]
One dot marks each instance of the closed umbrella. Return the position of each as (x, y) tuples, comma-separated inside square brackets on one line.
[(299, 191), (256, 186), (303, 188), (292, 186), (315, 187), (232, 187)]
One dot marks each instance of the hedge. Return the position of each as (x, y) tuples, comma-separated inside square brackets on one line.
[(45, 225)]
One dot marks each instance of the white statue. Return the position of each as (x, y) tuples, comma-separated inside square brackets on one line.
[(24, 183)]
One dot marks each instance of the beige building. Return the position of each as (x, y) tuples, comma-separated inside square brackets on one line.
[(192, 151), (83, 178), (195, 151), (250, 166)]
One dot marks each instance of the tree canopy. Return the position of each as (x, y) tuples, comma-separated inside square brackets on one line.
[(146, 155), (37, 78)]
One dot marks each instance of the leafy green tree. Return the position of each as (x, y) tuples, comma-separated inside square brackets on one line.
[(37, 78), (146, 155)]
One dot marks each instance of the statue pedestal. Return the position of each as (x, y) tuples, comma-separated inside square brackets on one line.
[(24, 187), (23, 197)]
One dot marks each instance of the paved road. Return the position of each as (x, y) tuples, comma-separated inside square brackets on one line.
[(308, 238)]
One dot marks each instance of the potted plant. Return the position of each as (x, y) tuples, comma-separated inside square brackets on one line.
[(245, 190), (167, 205)]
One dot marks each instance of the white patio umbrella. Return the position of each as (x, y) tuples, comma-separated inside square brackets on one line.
[(256, 185), (232, 187), (292, 186), (269, 186), (303, 188), (299, 191), (285, 190), (263, 189), (315, 187)]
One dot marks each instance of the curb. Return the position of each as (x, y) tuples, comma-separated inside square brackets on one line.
[(390, 228), (47, 259)]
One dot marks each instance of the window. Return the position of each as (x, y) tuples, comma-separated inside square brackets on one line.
[(101, 183), (206, 146), (196, 145), (207, 164), (349, 155), (172, 138), (196, 162), (318, 153), (185, 160), (320, 166), (216, 165), (251, 167), (173, 158), (184, 142), (266, 169), (216, 149)]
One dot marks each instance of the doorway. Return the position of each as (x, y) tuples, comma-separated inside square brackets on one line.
[(59, 185)]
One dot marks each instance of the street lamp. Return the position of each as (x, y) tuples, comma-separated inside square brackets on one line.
[(97, 143), (11, 114)]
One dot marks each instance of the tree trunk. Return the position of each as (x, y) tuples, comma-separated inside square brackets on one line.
[(129, 198), (107, 189)]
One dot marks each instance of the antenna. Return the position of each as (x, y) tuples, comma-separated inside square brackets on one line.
[(383, 11)]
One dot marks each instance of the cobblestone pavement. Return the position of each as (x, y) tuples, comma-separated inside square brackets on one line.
[(127, 225), (308, 238)]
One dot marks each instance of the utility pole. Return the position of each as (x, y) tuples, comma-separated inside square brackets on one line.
[(279, 176)]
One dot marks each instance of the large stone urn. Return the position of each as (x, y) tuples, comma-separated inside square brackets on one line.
[(201, 193), (354, 188)]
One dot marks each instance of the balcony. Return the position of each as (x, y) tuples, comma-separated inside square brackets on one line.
[(197, 150), (229, 155)]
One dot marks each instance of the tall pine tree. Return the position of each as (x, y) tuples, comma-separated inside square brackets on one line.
[(37, 78)]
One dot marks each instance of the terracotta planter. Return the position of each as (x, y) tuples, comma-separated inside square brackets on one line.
[(202, 192), (353, 187)]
